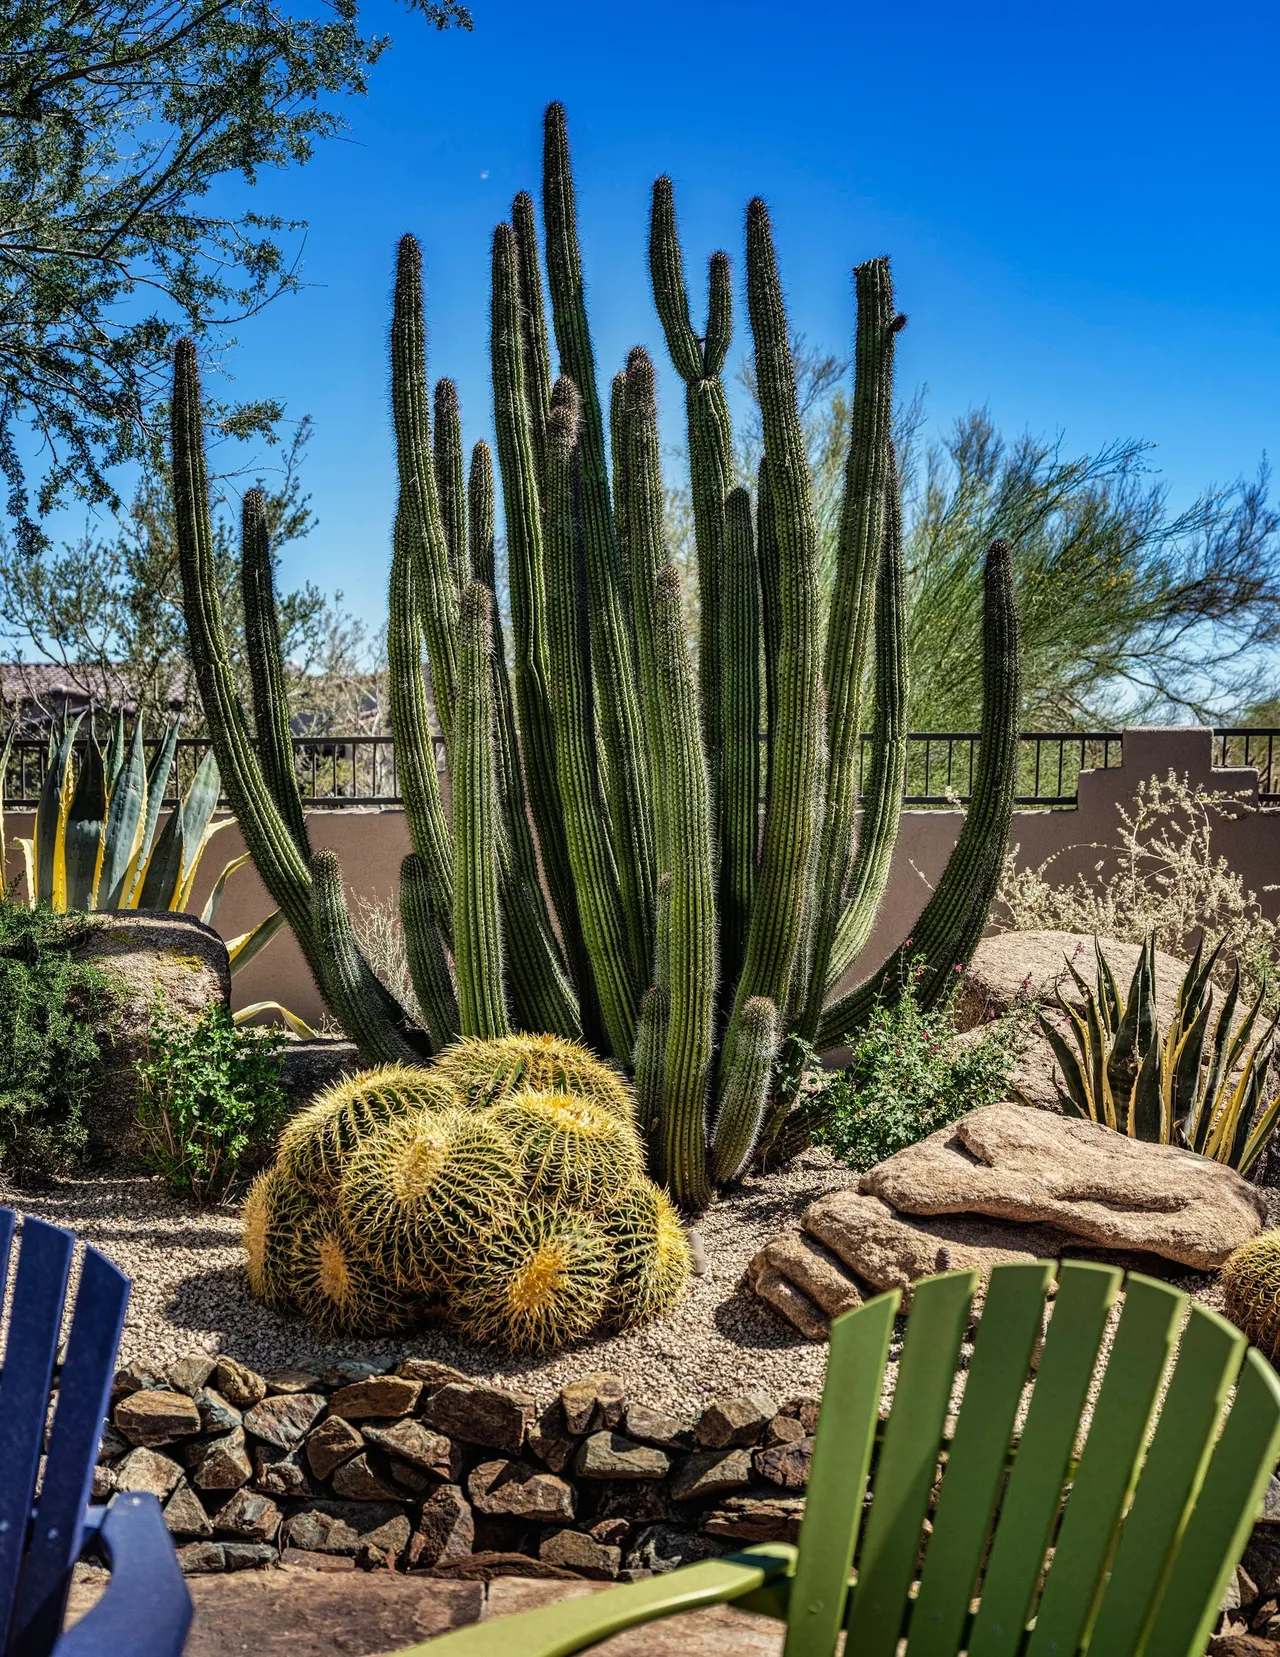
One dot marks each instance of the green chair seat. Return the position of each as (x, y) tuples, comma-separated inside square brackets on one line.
[(1053, 1517)]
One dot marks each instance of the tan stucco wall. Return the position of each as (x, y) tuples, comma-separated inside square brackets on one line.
[(371, 844)]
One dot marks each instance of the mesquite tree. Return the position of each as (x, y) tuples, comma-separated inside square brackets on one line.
[(622, 857)]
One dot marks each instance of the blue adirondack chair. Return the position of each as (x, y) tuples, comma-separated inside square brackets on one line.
[(146, 1609)]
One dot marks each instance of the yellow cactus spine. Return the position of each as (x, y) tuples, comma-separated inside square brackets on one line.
[(575, 1152), (540, 1282)]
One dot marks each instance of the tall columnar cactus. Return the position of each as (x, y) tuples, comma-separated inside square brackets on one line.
[(649, 842)]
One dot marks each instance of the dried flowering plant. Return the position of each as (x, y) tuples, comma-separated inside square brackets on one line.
[(1159, 878)]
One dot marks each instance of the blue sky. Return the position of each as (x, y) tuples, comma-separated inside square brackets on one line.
[(1080, 202)]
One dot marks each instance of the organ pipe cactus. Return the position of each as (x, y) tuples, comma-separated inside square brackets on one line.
[(652, 849)]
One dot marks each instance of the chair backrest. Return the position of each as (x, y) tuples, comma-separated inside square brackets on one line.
[(1122, 1548), (41, 1533)]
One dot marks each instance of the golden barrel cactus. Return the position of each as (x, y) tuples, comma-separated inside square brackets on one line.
[(488, 1072), (1250, 1282), (540, 1282), (575, 1152)]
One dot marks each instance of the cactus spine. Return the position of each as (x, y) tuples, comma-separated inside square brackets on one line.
[(591, 858), (477, 930), (626, 860), (266, 668)]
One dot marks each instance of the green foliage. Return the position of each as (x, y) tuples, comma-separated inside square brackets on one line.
[(52, 1011), (1125, 601), (124, 121), (1200, 1083), (210, 1092), (655, 881), (907, 1076)]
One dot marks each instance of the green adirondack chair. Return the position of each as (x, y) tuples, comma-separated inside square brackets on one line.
[(1152, 1525)]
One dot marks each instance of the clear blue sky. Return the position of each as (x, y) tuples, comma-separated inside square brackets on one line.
[(1080, 202)]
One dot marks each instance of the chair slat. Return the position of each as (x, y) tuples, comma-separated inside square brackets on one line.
[(1033, 1494), (904, 1477), (1109, 1465), (1228, 1504), (44, 1261), (1209, 1357), (1012, 1316), (842, 1448), (84, 1393), (8, 1220)]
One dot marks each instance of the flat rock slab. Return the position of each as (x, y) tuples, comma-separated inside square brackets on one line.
[(1016, 1163), (890, 1252), (307, 1613)]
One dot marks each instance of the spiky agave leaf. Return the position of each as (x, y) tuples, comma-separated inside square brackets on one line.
[(316, 1142), (541, 1281), (423, 1190), (273, 1213), (575, 1152), (1250, 1282), (336, 1288), (653, 1262), (487, 1072)]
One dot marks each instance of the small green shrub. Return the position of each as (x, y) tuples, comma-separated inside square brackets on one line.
[(52, 1008), (908, 1076), (208, 1093)]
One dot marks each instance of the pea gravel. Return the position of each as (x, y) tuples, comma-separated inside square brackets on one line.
[(190, 1294)]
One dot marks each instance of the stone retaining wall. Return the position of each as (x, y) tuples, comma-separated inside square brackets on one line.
[(422, 1467), (419, 1467)]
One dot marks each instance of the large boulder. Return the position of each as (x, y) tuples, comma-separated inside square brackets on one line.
[(1017, 1163), (1014, 966), (144, 954)]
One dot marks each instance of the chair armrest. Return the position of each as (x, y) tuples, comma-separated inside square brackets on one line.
[(577, 1624), (145, 1610)]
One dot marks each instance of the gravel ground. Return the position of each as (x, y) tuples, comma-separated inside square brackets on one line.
[(190, 1294)]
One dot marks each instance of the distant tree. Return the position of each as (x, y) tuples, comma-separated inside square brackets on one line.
[(1129, 609), (107, 610), (117, 120)]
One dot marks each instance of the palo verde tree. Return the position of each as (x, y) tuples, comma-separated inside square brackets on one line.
[(621, 858), (117, 120)]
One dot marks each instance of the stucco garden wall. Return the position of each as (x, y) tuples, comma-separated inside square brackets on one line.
[(371, 843)]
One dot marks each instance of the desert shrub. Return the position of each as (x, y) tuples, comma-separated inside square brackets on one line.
[(52, 1010), (209, 1092), (909, 1075), (1159, 878)]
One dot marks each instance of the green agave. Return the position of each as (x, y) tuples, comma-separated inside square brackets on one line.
[(1200, 1084), (96, 844)]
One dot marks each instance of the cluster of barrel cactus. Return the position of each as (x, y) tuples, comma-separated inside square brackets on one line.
[(500, 1189), (657, 856)]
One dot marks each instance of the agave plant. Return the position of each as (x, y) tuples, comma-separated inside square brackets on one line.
[(95, 844), (1200, 1084)]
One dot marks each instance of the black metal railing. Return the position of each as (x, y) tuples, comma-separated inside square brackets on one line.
[(940, 765), (342, 771), (1259, 748)]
